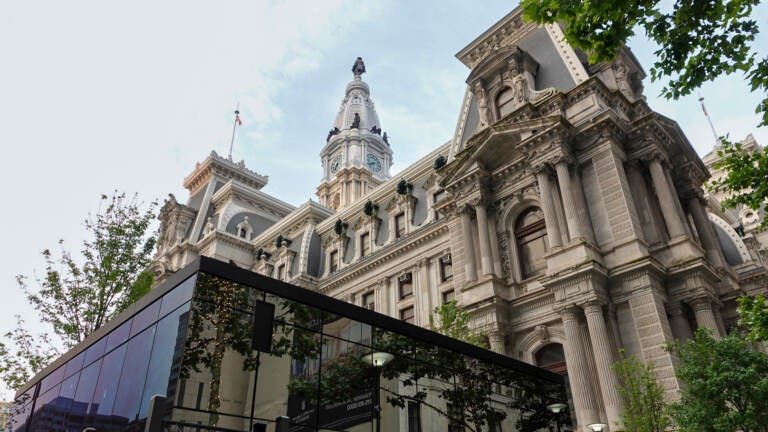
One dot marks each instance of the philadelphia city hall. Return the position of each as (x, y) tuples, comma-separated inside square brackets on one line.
[(564, 214)]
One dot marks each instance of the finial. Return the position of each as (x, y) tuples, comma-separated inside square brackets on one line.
[(358, 68)]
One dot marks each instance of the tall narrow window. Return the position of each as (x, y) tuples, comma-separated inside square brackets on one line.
[(280, 272), (414, 417), (532, 244), (365, 245), (405, 285), (400, 225), (368, 301), (333, 257), (437, 198), (408, 315), (505, 102), (446, 268)]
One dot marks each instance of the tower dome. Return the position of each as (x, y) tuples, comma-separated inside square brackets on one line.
[(356, 157), (357, 100)]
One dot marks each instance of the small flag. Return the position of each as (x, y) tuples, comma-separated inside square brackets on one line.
[(237, 118)]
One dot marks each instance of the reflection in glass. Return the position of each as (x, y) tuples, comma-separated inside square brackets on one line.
[(104, 396), (129, 392)]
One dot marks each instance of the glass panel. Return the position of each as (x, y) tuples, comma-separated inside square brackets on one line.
[(74, 364), (52, 379), (118, 336), (67, 393), (166, 356), (104, 396), (95, 351), (145, 318), (45, 414), (178, 296), (85, 388), (129, 392)]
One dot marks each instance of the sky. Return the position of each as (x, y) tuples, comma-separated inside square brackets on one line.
[(97, 96)]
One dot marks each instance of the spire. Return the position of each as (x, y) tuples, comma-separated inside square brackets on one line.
[(357, 109)]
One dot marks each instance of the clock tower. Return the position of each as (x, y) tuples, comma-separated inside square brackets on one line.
[(356, 157)]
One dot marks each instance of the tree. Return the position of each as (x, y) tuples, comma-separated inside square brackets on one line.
[(76, 296), (641, 395), (753, 313), (744, 179), (698, 41), (724, 384), (24, 356)]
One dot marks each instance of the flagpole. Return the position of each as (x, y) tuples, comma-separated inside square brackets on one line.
[(234, 128), (706, 114)]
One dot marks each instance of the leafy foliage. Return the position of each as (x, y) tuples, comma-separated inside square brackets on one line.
[(77, 296), (745, 176), (698, 40), (76, 299), (221, 322), (26, 355), (451, 320), (724, 384), (754, 317), (641, 395)]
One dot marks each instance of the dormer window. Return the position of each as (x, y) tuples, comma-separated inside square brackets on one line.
[(400, 225), (365, 245)]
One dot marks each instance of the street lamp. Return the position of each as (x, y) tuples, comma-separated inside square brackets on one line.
[(555, 409), (597, 427), (377, 360)]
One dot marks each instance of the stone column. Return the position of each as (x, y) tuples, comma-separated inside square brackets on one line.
[(486, 260), (495, 254), (706, 233), (584, 399), (702, 308), (681, 329), (569, 203), (548, 207), (585, 222), (643, 203), (604, 359), (666, 197), (469, 246), (381, 297), (496, 339)]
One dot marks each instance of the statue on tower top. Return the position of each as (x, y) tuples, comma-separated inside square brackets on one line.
[(359, 67)]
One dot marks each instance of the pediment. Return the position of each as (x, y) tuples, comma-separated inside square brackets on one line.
[(499, 144)]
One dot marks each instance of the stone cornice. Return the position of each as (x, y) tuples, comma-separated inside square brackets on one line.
[(384, 255), (506, 32), (215, 165), (416, 173), (293, 224)]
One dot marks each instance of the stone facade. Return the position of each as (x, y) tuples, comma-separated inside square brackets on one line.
[(568, 217)]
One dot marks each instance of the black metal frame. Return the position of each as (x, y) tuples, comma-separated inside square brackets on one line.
[(348, 310)]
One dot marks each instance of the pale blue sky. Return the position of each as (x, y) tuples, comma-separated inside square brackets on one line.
[(102, 95)]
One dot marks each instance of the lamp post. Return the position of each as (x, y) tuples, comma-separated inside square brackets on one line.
[(555, 409), (597, 427), (378, 360)]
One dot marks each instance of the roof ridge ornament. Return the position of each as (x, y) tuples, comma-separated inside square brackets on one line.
[(358, 68)]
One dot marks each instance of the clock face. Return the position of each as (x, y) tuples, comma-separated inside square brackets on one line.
[(373, 162), (336, 164)]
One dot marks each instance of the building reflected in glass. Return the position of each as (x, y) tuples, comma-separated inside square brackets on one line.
[(231, 350)]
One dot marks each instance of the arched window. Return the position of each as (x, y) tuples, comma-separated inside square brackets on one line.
[(505, 103), (552, 357), (531, 240)]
